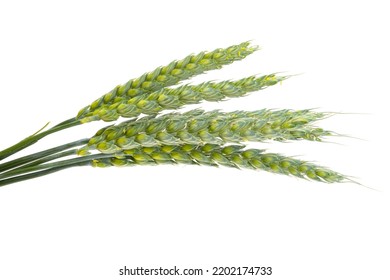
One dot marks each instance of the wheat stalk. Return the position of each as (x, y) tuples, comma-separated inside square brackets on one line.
[(194, 137), (208, 155)]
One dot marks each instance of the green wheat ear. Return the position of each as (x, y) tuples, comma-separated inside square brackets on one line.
[(230, 156), (175, 98), (169, 75), (198, 127)]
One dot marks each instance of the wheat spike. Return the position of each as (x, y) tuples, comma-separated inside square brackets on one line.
[(198, 127), (175, 98), (170, 74), (231, 156)]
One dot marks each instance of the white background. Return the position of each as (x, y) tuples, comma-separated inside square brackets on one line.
[(58, 56)]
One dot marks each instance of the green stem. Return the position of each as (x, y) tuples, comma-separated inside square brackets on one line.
[(21, 169), (33, 157), (36, 137), (72, 152), (65, 122), (30, 172), (38, 174)]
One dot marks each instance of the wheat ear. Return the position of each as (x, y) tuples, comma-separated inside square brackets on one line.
[(231, 156), (175, 98), (198, 127), (171, 74)]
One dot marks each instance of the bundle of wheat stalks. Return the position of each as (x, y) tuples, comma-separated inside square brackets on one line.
[(195, 137)]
